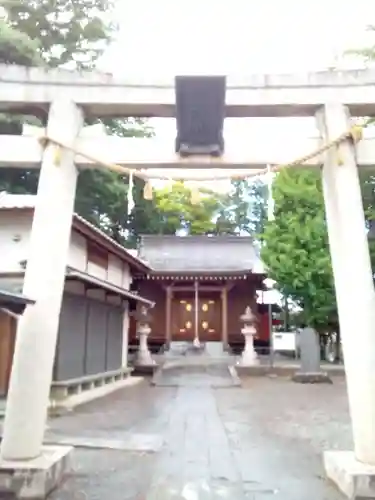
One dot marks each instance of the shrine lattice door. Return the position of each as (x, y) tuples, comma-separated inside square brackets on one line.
[(209, 319)]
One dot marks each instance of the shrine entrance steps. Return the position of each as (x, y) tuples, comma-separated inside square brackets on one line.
[(187, 366), (207, 351)]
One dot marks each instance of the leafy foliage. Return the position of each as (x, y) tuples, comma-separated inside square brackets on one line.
[(73, 34), (257, 196), (68, 31), (365, 53), (17, 47), (178, 213), (296, 248), (57, 33), (244, 209)]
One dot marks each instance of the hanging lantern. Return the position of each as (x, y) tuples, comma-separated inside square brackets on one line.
[(148, 191)]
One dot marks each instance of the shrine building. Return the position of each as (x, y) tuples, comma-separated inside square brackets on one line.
[(200, 286)]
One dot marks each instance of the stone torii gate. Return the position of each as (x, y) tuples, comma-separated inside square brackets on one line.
[(69, 98)]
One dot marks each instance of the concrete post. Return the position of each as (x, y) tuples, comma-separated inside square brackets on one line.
[(353, 278), (44, 282)]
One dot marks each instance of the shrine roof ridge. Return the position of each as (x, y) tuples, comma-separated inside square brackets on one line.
[(197, 237), (198, 253)]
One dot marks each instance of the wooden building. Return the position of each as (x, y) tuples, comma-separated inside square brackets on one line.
[(200, 286), (92, 344), (12, 305)]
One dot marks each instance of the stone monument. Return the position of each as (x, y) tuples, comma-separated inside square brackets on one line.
[(310, 371), (143, 357), (249, 357)]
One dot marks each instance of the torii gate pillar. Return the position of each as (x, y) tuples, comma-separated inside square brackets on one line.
[(28, 398), (353, 472)]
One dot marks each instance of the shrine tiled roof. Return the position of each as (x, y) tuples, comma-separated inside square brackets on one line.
[(222, 253)]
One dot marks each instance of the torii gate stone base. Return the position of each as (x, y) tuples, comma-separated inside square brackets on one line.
[(28, 469)]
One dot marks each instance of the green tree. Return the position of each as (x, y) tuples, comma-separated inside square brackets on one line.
[(234, 215), (367, 54), (49, 32), (73, 32), (296, 248), (257, 194), (102, 196), (176, 211), (244, 208), (367, 180), (17, 47)]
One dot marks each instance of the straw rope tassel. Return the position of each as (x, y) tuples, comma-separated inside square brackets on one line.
[(148, 192), (57, 153), (195, 196), (339, 158), (131, 203)]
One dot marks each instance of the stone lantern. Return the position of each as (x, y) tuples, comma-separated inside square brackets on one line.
[(143, 319), (249, 357)]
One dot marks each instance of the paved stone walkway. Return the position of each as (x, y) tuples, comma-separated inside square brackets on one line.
[(214, 375), (261, 441)]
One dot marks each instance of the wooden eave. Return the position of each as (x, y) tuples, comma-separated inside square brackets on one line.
[(241, 275)]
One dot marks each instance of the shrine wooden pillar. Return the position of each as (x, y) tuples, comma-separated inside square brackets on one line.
[(224, 317), (168, 315), (196, 341)]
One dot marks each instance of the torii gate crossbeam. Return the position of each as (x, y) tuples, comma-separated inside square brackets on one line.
[(25, 152), (32, 89)]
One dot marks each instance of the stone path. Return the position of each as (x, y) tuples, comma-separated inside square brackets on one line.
[(194, 375), (261, 441)]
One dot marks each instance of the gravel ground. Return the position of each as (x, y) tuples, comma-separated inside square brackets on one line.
[(261, 441)]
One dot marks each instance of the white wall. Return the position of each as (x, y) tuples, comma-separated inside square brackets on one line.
[(75, 287), (97, 271), (119, 272), (77, 251), (115, 270), (126, 277), (15, 228)]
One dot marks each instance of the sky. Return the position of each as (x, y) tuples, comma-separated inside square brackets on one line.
[(159, 39)]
